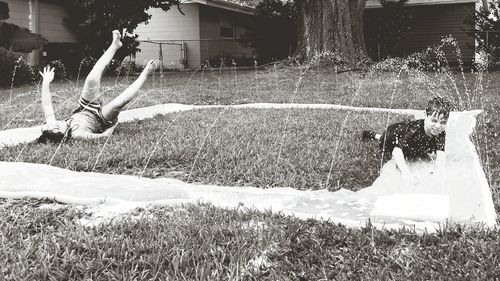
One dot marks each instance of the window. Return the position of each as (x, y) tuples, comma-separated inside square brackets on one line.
[(226, 27), (226, 32)]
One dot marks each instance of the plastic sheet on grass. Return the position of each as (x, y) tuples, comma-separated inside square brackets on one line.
[(463, 196)]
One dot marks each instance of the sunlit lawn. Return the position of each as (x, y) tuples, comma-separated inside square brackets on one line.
[(304, 149)]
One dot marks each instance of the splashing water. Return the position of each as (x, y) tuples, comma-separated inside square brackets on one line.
[(295, 91), (216, 120), (18, 62), (218, 82), (393, 93), (163, 134), (464, 98), (155, 146), (78, 74), (235, 76), (337, 145)]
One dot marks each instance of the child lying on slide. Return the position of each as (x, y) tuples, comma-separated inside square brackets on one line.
[(419, 140), (91, 119)]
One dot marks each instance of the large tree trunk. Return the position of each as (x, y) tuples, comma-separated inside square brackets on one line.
[(332, 27), (486, 6)]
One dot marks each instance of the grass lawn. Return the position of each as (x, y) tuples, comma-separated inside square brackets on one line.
[(303, 149)]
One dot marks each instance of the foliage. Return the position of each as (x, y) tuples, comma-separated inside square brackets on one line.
[(226, 61), (60, 69), (14, 69), (4, 11), (390, 24), (242, 147), (202, 242), (14, 41), (274, 32), (433, 58), (486, 25), (15, 38), (94, 20), (19, 39)]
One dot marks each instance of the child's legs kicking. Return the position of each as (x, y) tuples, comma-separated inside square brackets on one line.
[(91, 88), (111, 110)]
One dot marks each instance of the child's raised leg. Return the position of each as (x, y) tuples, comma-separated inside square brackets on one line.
[(111, 110), (92, 85)]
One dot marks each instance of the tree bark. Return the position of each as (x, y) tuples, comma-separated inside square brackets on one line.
[(486, 6), (332, 28)]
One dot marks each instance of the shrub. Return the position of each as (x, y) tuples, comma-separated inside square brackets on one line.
[(60, 69), (15, 40), (14, 69), (86, 65), (232, 61), (486, 25)]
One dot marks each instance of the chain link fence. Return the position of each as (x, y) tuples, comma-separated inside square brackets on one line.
[(170, 54), (190, 54), (227, 52)]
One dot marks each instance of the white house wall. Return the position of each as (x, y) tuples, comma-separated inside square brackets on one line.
[(19, 11), (213, 43), (51, 23), (430, 24), (48, 21), (171, 26)]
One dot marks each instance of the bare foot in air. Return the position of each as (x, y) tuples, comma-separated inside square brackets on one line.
[(116, 39), (149, 68)]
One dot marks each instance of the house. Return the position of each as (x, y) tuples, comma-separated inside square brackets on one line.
[(432, 20), (44, 17), (200, 31), (208, 29), (204, 30)]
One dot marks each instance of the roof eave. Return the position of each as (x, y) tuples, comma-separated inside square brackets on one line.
[(370, 4), (224, 5)]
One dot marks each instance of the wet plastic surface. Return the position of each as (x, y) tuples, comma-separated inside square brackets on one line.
[(462, 195)]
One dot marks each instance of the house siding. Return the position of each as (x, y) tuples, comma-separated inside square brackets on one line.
[(50, 19), (52, 27), (430, 24), (19, 11), (213, 44), (171, 26)]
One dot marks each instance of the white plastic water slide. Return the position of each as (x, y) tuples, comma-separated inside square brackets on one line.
[(463, 196)]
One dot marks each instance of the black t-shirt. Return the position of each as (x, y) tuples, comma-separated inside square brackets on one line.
[(411, 138)]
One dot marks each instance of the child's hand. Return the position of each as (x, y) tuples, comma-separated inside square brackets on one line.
[(48, 74), (150, 67)]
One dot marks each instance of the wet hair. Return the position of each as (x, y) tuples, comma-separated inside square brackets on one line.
[(51, 137), (440, 106)]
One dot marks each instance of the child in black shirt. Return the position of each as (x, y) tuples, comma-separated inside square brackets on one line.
[(419, 140)]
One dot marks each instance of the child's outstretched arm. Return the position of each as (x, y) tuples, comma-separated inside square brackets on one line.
[(48, 110), (399, 158)]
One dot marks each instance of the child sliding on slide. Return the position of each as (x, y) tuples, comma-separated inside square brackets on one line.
[(91, 119), (419, 140)]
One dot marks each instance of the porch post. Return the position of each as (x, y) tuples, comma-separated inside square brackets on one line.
[(34, 26)]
